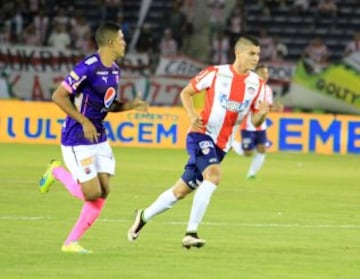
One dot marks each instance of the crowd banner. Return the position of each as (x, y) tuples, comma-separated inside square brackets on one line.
[(158, 91), (163, 127), (34, 72), (178, 66), (334, 88)]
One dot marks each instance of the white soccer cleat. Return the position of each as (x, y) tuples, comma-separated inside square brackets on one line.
[(138, 224), (192, 240)]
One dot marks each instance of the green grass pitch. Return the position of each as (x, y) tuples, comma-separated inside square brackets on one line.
[(299, 219)]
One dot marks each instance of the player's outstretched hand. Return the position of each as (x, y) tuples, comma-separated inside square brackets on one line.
[(140, 105)]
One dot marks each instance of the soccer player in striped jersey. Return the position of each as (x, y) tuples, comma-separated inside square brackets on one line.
[(86, 95), (254, 138), (231, 92)]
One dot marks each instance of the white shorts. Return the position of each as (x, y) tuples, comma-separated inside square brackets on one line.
[(86, 161)]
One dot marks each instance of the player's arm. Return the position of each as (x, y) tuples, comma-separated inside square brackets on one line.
[(137, 104), (61, 97), (187, 101), (258, 117)]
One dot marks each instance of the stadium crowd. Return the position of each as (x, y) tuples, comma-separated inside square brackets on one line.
[(70, 25)]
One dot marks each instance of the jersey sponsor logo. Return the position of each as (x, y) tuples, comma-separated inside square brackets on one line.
[(87, 161), (102, 73), (105, 79), (109, 97), (233, 105)]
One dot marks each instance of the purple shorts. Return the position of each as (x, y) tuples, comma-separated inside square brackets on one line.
[(250, 139), (203, 152)]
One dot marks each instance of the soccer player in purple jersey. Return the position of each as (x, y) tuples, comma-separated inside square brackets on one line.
[(86, 95)]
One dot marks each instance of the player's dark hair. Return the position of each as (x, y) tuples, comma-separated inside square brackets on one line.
[(251, 39), (106, 32), (247, 39)]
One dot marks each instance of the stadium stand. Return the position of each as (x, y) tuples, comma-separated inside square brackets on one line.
[(296, 30)]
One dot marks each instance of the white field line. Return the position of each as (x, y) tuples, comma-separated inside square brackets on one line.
[(214, 224)]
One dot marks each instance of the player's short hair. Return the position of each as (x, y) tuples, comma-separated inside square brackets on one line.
[(106, 32), (247, 39)]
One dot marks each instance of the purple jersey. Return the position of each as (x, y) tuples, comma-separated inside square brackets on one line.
[(93, 88)]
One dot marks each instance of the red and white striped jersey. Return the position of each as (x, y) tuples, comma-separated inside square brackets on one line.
[(229, 97), (247, 124)]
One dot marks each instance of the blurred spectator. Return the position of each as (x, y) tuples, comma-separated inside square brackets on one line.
[(267, 46), (216, 16), (300, 6), (146, 42), (327, 7), (125, 26), (220, 49), (88, 44), (5, 86), (41, 23), (234, 24), (268, 6), (5, 34), (188, 9), (353, 45), (59, 38), (79, 27), (17, 25), (281, 50), (315, 55), (61, 17), (35, 6), (168, 45), (177, 22), (110, 9), (30, 37)]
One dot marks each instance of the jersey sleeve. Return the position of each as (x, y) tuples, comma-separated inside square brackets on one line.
[(78, 75), (204, 79)]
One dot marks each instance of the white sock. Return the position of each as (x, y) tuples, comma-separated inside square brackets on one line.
[(236, 145), (200, 203), (164, 202), (256, 163)]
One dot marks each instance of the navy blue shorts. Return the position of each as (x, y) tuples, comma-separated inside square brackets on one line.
[(203, 152), (250, 139)]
